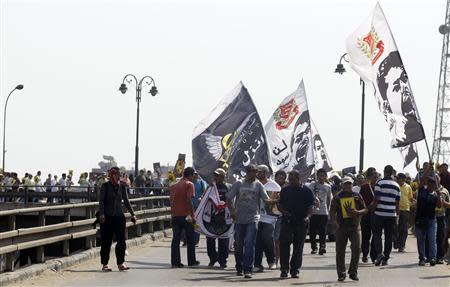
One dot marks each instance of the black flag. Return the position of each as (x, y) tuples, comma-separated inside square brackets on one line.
[(231, 137)]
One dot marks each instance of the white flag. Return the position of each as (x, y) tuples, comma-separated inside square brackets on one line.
[(288, 134), (374, 56), (321, 158)]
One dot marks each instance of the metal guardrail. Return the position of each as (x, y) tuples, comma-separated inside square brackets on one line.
[(28, 194), (16, 239)]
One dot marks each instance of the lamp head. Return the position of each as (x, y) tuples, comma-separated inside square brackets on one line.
[(19, 87), (153, 91), (340, 69), (123, 88), (444, 29)]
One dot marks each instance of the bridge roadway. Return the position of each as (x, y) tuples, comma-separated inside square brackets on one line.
[(150, 267)]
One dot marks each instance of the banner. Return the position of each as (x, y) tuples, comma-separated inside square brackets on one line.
[(157, 168), (179, 166), (212, 216), (230, 137), (289, 135), (374, 56), (321, 159)]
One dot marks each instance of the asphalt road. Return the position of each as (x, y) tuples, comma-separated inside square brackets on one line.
[(150, 267)]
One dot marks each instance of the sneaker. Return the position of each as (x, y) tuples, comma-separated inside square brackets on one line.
[(258, 269), (211, 263), (341, 278), (223, 266), (284, 275), (384, 262), (105, 268), (322, 251), (295, 275), (272, 266), (248, 275), (123, 267), (365, 260), (432, 262), (178, 265), (378, 260), (440, 261), (401, 250), (354, 277), (314, 251), (239, 273), (195, 264), (422, 263)]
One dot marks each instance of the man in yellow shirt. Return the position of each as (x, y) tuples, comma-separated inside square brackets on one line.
[(406, 198)]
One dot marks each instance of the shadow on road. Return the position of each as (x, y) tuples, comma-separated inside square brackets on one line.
[(435, 277)]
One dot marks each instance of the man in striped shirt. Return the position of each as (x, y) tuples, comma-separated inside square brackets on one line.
[(386, 209)]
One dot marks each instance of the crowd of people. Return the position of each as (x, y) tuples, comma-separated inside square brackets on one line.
[(11, 182), (274, 215)]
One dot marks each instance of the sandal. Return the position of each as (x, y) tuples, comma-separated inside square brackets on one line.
[(106, 268), (123, 267)]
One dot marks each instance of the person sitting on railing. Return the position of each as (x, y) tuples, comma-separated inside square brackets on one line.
[(112, 219)]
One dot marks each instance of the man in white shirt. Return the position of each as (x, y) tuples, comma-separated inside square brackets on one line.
[(264, 239)]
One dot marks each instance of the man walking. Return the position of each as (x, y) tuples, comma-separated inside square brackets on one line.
[(347, 208), (319, 219), (182, 211), (367, 193), (245, 210), (112, 220), (406, 199), (386, 210), (296, 204), (220, 255), (264, 238)]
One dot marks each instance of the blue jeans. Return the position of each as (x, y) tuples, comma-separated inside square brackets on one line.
[(244, 240), (428, 231), (264, 244), (179, 224)]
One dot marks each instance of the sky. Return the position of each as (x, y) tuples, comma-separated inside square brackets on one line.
[(71, 56)]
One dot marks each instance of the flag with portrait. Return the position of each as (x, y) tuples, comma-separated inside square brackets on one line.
[(373, 54), (230, 137), (289, 135)]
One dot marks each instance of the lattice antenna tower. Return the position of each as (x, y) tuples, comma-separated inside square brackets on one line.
[(441, 143)]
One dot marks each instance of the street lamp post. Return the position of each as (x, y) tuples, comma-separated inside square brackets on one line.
[(145, 81), (18, 87), (340, 70)]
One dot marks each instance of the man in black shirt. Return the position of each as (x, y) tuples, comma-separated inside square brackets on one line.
[(296, 205), (112, 219), (222, 255)]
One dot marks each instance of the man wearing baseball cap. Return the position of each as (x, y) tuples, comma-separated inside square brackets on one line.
[(219, 255), (346, 210)]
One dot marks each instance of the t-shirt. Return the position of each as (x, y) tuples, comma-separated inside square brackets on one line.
[(388, 193), (247, 204), (356, 189), (199, 188), (321, 191), (426, 204), (296, 200), (342, 203), (406, 194), (271, 188), (440, 211), (179, 195), (222, 189)]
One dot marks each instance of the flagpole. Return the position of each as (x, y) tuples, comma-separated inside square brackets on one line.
[(361, 141)]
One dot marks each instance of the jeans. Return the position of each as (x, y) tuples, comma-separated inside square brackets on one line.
[(440, 236), (401, 231), (244, 240), (367, 242), (292, 233), (387, 224), (318, 225), (428, 231), (179, 224), (265, 243), (343, 234), (114, 225), (215, 256)]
